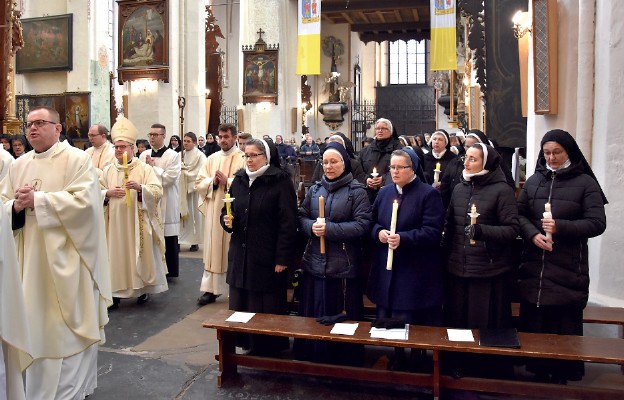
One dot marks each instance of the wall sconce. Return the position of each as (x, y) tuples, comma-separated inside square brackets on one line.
[(521, 24)]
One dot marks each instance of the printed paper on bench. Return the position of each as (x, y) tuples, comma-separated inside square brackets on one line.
[(392, 334), (460, 335), (342, 328), (240, 316)]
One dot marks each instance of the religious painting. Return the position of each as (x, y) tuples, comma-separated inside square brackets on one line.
[(143, 40), (47, 45), (260, 71), (73, 109)]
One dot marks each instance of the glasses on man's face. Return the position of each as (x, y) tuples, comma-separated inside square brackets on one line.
[(92, 135), (38, 123), (155, 134), (251, 156), (399, 167), (122, 147)]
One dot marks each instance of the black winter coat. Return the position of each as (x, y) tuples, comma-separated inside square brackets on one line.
[(347, 219), (378, 156), (492, 254), (264, 230), (561, 276)]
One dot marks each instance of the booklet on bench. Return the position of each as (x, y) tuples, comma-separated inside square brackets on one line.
[(500, 337)]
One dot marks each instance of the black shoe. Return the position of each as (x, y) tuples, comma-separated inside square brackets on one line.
[(194, 247), (115, 305), (207, 298), (142, 299)]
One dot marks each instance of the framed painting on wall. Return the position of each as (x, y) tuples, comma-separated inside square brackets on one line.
[(47, 45), (143, 40), (73, 109), (260, 72)]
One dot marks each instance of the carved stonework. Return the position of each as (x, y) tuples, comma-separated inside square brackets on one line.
[(213, 31), (475, 13)]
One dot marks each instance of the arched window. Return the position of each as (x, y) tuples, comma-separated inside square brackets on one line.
[(407, 64)]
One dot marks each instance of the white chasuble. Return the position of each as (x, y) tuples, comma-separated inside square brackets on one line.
[(136, 242), (216, 240), (63, 265), (191, 221), (102, 156)]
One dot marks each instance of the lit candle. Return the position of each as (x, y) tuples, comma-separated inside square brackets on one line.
[(374, 174), (548, 214), (125, 169), (473, 219), (393, 222), (321, 220), (436, 174)]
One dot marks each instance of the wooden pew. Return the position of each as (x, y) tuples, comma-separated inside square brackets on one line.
[(590, 349)]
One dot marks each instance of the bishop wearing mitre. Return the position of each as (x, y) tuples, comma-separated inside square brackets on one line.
[(212, 184), (135, 233)]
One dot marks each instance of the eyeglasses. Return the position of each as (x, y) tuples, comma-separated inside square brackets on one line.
[(155, 134), (399, 167), (92, 135), (38, 123), (251, 156), (122, 147), (382, 129)]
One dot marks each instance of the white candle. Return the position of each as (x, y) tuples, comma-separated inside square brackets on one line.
[(126, 178), (548, 214), (374, 174), (393, 222), (436, 173), (473, 219), (321, 220)]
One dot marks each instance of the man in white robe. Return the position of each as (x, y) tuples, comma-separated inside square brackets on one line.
[(211, 184), (167, 166), (6, 159), (101, 150), (191, 221), (134, 225), (53, 195)]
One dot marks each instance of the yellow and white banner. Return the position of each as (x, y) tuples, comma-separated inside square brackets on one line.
[(443, 36), (309, 43)]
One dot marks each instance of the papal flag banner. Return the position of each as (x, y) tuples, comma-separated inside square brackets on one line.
[(443, 40), (309, 39)]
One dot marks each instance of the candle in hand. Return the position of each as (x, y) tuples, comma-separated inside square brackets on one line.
[(374, 174), (321, 220), (473, 219), (126, 174), (436, 174), (548, 214), (393, 222)]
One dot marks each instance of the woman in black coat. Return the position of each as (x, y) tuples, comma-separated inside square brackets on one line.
[(330, 287), (478, 272), (554, 274), (412, 291), (440, 144), (264, 230)]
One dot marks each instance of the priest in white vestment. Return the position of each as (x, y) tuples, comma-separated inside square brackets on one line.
[(191, 221), (54, 198), (135, 234), (212, 184), (6, 159), (101, 151), (167, 166), (14, 332)]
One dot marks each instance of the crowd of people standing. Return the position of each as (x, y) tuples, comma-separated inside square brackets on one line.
[(445, 208)]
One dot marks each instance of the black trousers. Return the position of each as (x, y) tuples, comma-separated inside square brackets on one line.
[(172, 256)]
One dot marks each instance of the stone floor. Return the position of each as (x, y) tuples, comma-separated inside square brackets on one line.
[(159, 350)]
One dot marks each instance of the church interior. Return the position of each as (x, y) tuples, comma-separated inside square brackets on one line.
[(523, 67)]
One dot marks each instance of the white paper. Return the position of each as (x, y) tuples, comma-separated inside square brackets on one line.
[(392, 334), (240, 316), (460, 335), (342, 328)]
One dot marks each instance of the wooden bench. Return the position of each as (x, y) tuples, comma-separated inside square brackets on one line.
[(590, 349)]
